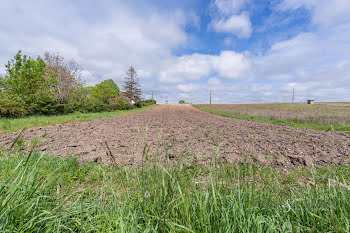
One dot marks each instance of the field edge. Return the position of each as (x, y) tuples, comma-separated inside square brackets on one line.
[(9, 125), (285, 122)]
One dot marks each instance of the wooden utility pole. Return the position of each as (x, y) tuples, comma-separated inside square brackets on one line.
[(293, 96), (152, 94), (210, 97)]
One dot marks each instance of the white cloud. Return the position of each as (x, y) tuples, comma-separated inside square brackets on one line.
[(144, 73), (316, 64), (190, 87), (231, 18), (106, 45), (228, 64), (216, 84), (238, 25), (109, 37), (231, 65), (286, 56), (259, 87), (325, 12), (228, 7), (188, 67)]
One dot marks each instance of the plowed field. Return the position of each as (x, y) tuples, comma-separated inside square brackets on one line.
[(181, 132)]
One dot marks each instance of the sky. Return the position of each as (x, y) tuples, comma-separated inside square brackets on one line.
[(242, 50)]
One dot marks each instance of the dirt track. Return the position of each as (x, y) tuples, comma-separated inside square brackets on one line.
[(181, 132)]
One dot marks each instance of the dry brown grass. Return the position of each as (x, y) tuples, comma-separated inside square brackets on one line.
[(320, 113)]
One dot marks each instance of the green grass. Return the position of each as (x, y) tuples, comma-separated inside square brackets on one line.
[(298, 123), (41, 193), (16, 124)]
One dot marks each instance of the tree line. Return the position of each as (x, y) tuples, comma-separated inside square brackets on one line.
[(51, 84)]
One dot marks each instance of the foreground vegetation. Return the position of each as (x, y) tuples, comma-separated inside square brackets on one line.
[(326, 116), (16, 124), (41, 193)]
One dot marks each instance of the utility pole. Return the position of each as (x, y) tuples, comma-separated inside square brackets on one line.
[(210, 97), (152, 94), (293, 96)]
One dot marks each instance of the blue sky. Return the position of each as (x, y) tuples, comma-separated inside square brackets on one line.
[(244, 50)]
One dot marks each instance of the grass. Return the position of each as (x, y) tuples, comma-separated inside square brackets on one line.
[(317, 117), (41, 193), (16, 124)]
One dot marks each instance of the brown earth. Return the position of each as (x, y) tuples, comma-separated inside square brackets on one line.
[(183, 133)]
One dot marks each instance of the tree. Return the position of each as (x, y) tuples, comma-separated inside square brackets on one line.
[(103, 93), (112, 85), (132, 85), (2, 83), (182, 102), (25, 80), (66, 73)]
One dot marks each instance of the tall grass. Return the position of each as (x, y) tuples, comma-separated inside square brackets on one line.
[(16, 124), (41, 193), (317, 117)]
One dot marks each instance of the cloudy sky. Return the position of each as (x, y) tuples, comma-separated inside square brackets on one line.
[(244, 50)]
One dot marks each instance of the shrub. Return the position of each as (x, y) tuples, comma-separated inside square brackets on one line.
[(45, 106), (139, 104), (11, 108), (83, 100), (86, 105), (123, 104), (182, 102), (114, 107), (145, 103), (149, 102)]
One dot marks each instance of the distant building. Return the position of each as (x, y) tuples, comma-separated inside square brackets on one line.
[(310, 101)]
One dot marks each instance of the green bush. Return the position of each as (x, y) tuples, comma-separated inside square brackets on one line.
[(150, 101), (138, 104), (114, 107), (123, 104), (145, 103), (11, 108), (83, 100), (46, 106), (89, 105)]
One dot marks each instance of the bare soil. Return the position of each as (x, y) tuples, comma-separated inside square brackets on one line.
[(183, 133)]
